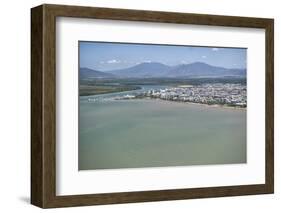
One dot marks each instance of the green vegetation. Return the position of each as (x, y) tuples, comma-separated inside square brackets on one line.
[(163, 81), (85, 90), (102, 86)]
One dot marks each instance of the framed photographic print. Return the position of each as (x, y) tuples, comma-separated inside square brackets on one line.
[(135, 106)]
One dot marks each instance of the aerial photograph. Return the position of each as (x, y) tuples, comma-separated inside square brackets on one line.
[(158, 105)]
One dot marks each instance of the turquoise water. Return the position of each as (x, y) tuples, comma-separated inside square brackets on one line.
[(155, 133)]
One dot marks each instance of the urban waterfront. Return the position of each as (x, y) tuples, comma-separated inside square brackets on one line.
[(158, 105), (118, 130), (234, 95)]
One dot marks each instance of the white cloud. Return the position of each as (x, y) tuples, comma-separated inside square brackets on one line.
[(113, 61), (147, 61), (203, 56), (215, 49)]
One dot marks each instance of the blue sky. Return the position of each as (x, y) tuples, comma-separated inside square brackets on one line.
[(105, 56)]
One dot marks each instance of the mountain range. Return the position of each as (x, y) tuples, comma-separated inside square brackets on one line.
[(86, 73), (155, 69)]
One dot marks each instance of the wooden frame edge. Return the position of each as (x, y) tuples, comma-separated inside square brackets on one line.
[(269, 108), (36, 106), (43, 104)]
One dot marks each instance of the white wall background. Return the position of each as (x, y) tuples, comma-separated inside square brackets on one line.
[(15, 105)]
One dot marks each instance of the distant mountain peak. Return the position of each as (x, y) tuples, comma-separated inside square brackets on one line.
[(159, 70), (199, 63), (145, 69), (87, 73)]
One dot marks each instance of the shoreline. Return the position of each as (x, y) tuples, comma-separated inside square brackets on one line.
[(107, 92), (192, 103)]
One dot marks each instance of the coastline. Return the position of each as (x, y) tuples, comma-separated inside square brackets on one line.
[(106, 92), (193, 103)]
